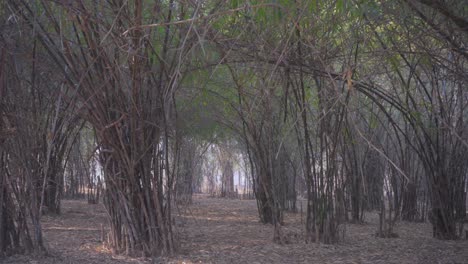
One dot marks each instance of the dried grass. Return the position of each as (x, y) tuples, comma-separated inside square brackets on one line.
[(228, 231)]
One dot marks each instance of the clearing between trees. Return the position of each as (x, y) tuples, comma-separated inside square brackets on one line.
[(228, 231)]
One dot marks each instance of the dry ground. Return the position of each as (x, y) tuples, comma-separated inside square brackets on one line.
[(227, 231)]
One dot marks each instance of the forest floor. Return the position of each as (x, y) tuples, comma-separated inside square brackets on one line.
[(228, 231)]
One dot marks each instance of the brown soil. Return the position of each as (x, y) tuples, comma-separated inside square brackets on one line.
[(227, 231)]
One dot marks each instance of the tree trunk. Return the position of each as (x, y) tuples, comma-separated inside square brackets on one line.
[(409, 209), (443, 218)]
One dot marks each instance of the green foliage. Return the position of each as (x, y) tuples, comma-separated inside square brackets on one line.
[(206, 100)]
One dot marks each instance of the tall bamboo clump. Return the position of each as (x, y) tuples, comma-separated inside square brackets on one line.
[(35, 135), (124, 76)]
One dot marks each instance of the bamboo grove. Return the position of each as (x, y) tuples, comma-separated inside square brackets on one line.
[(354, 105)]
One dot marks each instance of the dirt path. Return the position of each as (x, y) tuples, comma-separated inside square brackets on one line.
[(228, 231)]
